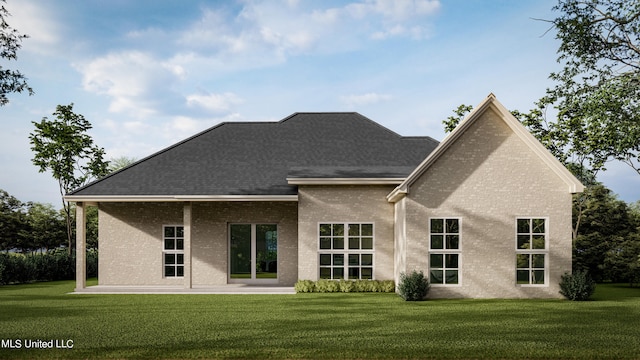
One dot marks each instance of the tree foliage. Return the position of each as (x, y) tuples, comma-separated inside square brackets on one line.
[(12, 220), (27, 227), (63, 147), (10, 42), (45, 230), (597, 91), (121, 162)]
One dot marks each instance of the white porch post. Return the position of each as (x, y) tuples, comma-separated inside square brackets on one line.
[(187, 214), (81, 245)]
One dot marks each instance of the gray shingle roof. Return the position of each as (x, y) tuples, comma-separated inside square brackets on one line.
[(255, 158)]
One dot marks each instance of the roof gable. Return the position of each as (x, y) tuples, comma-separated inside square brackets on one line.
[(489, 103), (256, 158)]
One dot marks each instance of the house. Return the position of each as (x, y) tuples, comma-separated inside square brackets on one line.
[(486, 213)]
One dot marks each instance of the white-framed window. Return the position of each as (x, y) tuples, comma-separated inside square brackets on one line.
[(531, 251), (444, 251), (345, 250), (173, 251)]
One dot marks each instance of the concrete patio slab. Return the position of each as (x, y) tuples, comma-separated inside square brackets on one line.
[(237, 289)]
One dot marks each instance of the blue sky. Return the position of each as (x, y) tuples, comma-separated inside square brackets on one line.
[(148, 73)]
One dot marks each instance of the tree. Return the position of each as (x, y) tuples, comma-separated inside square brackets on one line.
[(10, 42), (606, 223), (12, 220), (597, 91), (63, 147), (121, 162), (46, 228)]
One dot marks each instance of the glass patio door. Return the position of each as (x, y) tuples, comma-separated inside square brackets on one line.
[(253, 253)]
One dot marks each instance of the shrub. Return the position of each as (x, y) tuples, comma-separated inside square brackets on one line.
[(2, 267), (327, 286), (578, 286), (346, 286), (413, 287), (92, 263), (361, 285), (305, 286), (387, 286)]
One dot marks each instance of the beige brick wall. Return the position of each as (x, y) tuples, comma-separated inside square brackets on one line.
[(344, 204), (131, 240), (488, 178)]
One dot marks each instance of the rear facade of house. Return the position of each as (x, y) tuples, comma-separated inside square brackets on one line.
[(485, 213)]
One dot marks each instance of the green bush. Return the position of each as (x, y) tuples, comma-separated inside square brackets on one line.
[(413, 287), (305, 286), (578, 286), (2, 267), (92, 263), (49, 266), (328, 286), (387, 286), (346, 286)]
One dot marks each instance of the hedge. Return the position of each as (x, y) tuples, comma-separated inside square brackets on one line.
[(332, 286), (49, 266)]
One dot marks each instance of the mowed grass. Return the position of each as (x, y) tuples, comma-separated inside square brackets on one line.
[(317, 326)]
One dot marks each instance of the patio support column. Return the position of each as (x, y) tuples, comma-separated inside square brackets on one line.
[(81, 245), (187, 244)]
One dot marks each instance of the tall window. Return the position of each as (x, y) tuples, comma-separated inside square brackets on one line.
[(444, 251), (173, 254), (531, 251), (253, 251), (346, 251)]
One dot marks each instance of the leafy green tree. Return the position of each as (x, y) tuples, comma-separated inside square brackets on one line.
[(597, 91), (46, 227), (622, 261), (10, 42), (606, 225), (121, 162), (63, 147), (12, 221)]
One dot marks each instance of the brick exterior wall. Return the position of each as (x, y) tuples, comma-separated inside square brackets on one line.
[(131, 240), (335, 204), (488, 178)]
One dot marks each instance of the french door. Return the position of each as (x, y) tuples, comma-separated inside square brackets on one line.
[(253, 253)]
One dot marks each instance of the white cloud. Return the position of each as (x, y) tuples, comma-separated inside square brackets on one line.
[(135, 81), (35, 20), (395, 10), (215, 103), (365, 99)]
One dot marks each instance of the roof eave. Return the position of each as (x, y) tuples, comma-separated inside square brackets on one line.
[(176, 198), (345, 181)]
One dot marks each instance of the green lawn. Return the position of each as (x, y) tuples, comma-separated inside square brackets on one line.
[(316, 325)]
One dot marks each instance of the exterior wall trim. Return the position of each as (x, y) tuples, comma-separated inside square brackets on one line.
[(345, 181), (573, 184), (177, 198)]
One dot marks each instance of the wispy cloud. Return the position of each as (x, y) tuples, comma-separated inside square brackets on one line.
[(135, 81), (365, 99), (215, 103), (28, 18)]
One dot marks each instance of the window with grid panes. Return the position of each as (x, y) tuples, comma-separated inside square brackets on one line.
[(444, 251), (173, 251), (531, 251), (346, 251)]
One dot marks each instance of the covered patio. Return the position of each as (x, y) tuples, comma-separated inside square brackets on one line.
[(230, 289)]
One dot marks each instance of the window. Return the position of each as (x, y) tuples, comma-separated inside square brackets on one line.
[(531, 251), (173, 254), (346, 251), (444, 251)]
